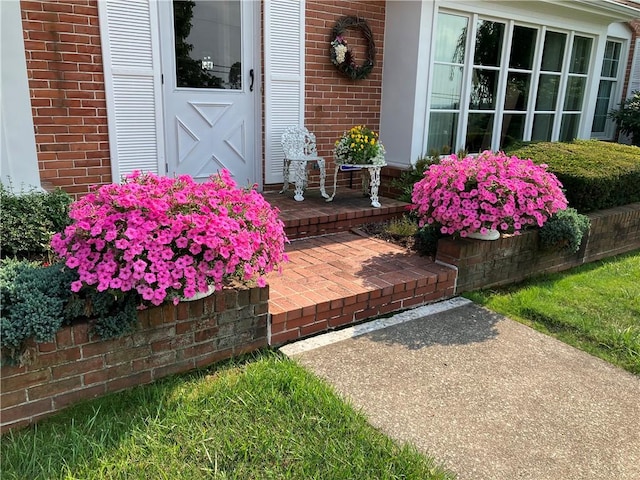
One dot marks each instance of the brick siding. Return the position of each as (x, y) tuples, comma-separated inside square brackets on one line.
[(66, 82), (333, 102), (169, 340)]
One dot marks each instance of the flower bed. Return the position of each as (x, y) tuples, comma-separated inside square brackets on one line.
[(489, 192), (169, 238)]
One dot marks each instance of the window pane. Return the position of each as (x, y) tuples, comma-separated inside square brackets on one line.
[(602, 106), (611, 60), (523, 45), (207, 44), (542, 127), (451, 38), (447, 84), (575, 93), (489, 38), (512, 129), (553, 52), (483, 89), (517, 91), (442, 132), (569, 127), (580, 55), (479, 132), (548, 87)]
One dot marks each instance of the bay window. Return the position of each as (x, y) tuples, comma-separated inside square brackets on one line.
[(496, 81)]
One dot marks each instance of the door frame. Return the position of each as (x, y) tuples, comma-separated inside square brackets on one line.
[(258, 167)]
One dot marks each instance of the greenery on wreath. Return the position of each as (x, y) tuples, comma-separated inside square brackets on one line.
[(342, 57), (359, 146)]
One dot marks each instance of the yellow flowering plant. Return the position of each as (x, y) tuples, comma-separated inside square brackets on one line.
[(359, 146)]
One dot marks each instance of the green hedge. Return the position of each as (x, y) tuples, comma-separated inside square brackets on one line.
[(595, 175), (28, 220)]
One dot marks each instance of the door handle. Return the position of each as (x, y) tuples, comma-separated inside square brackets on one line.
[(251, 75)]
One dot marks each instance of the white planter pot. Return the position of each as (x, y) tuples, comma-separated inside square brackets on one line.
[(199, 295), (490, 235)]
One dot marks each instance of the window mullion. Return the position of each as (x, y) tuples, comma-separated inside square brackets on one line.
[(535, 80), (465, 96), (502, 86), (564, 75)]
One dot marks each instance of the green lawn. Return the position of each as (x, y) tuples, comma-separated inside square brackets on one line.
[(595, 307), (263, 418)]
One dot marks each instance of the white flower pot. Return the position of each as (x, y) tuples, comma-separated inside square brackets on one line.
[(492, 234), (199, 295)]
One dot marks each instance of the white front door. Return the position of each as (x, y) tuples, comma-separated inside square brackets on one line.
[(210, 88)]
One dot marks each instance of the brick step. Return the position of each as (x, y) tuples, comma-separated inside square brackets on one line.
[(339, 279), (315, 216)]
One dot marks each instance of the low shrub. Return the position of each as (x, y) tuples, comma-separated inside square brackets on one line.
[(564, 231), (402, 227), (627, 117), (408, 178), (595, 175), (427, 239), (36, 302), (28, 220)]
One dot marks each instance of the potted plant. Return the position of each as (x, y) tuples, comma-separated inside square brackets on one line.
[(359, 146), (170, 238), (486, 195)]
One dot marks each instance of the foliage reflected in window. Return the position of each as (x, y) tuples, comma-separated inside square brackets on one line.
[(190, 72)]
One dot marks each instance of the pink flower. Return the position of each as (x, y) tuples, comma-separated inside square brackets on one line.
[(126, 236), (489, 191)]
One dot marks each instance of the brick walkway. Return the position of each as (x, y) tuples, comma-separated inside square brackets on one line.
[(338, 279)]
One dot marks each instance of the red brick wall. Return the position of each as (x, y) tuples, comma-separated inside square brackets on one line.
[(511, 259), (66, 82), (635, 28), (333, 102), (76, 366)]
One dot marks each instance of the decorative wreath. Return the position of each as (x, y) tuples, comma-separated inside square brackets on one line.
[(342, 57)]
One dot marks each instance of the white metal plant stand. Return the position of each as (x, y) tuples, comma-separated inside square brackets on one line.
[(372, 184), (299, 147)]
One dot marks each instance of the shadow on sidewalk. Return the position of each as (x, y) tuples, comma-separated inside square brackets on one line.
[(459, 326)]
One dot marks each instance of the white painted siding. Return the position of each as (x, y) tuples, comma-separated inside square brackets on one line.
[(18, 157)]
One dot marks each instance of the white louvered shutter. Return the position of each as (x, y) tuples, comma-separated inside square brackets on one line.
[(284, 77), (133, 85)]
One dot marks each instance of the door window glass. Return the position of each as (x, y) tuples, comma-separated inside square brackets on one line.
[(208, 42)]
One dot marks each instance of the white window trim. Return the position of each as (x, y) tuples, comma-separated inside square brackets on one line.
[(616, 95)]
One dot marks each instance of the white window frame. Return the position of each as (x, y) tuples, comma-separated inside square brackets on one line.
[(504, 69)]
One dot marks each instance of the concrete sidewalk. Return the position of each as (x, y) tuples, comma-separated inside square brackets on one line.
[(490, 398)]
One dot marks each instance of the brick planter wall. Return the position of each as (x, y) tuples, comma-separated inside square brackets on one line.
[(514, 258), (169, 340)]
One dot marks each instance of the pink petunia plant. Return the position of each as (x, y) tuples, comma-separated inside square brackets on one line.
[(492, 191), (168, 238)]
